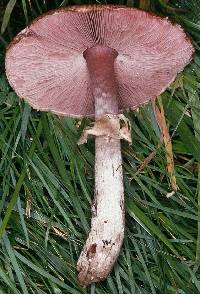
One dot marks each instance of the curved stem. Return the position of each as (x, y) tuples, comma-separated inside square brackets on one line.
[(107, 225)]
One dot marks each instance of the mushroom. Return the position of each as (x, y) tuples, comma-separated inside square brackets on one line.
[(98, 60)]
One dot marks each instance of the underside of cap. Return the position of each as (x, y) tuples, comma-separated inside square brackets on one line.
[(46, 67)]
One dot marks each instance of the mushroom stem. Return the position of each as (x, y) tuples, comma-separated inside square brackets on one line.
[(107, 225)]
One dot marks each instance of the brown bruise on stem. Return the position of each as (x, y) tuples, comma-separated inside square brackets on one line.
[(103, 244)]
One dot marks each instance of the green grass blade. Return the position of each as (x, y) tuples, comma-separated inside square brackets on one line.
[(133, 210), (7, 14), (18, 186)]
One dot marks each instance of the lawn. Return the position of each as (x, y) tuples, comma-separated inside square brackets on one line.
[(47, 180)]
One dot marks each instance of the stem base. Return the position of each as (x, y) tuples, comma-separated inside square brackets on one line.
[(107, 228)]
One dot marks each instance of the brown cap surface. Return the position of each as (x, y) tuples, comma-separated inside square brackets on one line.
[(46, 67)]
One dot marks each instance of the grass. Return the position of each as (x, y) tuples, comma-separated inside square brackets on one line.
[(47, 182)]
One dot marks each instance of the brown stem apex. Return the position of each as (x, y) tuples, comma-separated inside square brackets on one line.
[(100, 61)]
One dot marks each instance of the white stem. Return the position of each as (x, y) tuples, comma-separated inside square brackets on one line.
[(107, 227)]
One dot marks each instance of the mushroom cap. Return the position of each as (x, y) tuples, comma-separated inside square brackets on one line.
[(46, 67)]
